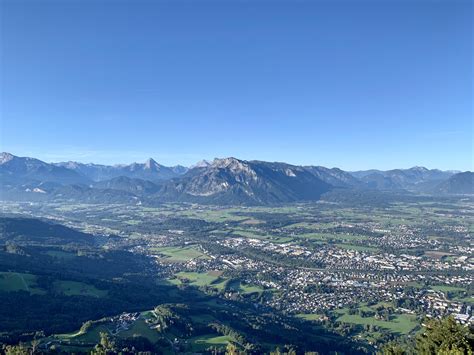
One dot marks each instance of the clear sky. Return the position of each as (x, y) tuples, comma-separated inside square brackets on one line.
[(354, 84)]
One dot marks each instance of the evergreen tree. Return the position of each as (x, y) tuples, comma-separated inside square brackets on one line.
[(445, 337)]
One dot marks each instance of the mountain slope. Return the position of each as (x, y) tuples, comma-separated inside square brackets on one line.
[(28, 231), (461, 183), (233, 181), (16, 170), (335, 176), (123, 183)]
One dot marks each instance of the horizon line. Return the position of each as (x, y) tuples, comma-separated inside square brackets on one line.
[(141, 161)]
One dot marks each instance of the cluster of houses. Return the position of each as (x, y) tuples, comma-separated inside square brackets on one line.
[(124, 321), (347, 272)]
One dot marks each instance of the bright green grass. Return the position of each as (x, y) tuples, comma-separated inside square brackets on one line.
[(203, 342), (142, 329), (310, 317), (268, 237), (326, 236), (250, 289), (468, 299), (16, 281), (92, 335), (74, 288), (402, 324), (214, 215), (446, 288), (244, 288), (200, 279), (308, 225), (178, 254)]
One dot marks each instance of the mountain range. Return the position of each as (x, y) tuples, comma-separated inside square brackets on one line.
[(150, 170), (222, 181)]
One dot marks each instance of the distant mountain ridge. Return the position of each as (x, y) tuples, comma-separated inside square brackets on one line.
[(460, 183), (16, 170), (415, 178), (149, 170), (221, 181)]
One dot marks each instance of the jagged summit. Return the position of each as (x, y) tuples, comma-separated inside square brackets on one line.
[(6, 157), (151, 164), (201, 164), (419, 168), (222, 181), (148, 170), (234, 165)]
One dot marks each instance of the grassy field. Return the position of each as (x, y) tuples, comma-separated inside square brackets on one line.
[(205, 341), (16, 281), (250, 289), (74, 288), (243, 288), (221, 215), (310, 317), (178, 254), (213, 279), (142, 329), (402, 323), (256, 235), (92, 335), (446, 288), (200, 279)]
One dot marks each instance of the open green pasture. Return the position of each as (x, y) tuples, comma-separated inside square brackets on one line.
[(447, 288), (244, 288), (400, 323), (263, 236), (203, 342), (92, 335), (17, 281), (199, 279), (179, 254)]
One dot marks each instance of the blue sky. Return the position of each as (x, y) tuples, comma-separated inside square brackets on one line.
[(353, 84)]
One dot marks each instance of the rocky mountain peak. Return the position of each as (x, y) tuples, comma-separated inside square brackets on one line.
[(232, 163), (5, 157), (419, 168), (151, 164), (235, 166), (201, 164)]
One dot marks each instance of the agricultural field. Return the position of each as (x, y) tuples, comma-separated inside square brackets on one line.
[(178, 254), (398, 324), (197, 279), (203, 342), (368, 273)]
